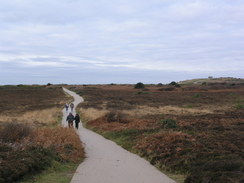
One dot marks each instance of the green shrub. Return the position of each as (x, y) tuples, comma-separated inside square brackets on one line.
[(217, 171), (17, 163), (239, 106), (139, 93), (142, 92), (139, 85), (196, 95), (115, 116), (189, 106), (168, 123), (173, 83), (167, 89)]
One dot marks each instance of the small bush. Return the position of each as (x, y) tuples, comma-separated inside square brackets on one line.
[(173, 83), (167, 89), (204, 83), (115, 116), (142, 92), (16, 164), (196, 95), (239, 106), (139, 85), (168, 123), (12, 132), (189, 106)]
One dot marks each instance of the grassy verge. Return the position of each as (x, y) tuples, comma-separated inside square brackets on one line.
[(124, 138), (57, 173), (128, 138)]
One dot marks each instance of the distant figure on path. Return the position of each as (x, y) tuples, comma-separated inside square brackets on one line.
[(66, 107), (70, 118), (71, 106), (77, 120)]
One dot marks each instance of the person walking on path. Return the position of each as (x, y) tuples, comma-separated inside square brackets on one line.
[(66, 107), (77, 120), (70, 118), (71, 106)]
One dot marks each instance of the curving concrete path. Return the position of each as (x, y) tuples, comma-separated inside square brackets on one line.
[(106, 162)]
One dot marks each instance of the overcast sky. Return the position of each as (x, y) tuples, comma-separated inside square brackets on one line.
[(120, 41)]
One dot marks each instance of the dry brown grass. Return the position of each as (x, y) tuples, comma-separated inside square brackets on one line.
[(147, 110), (92, 113), (37, 117), (142, 110), (63, 140), (15, 133)]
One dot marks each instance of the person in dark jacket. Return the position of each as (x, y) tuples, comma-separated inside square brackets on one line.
[(66, 107), (70, 118), (77, 120), (72, 106)]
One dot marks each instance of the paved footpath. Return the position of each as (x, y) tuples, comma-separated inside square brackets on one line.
[(106, 162)]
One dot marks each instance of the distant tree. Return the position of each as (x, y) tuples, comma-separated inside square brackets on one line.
[(139, 85), (49, 84), (159, 84), (173, 83)]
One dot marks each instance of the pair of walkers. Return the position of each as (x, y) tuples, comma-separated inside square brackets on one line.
[(71, 118), (71, 105)]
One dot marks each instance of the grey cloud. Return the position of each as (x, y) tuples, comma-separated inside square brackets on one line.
[(166, 35)]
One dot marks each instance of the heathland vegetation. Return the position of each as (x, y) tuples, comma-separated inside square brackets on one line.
[(31, 139), (192, 129)]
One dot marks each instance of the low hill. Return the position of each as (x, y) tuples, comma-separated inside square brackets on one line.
[(211, 80)]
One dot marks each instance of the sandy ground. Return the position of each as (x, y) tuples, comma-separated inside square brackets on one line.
[(106, 162)]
